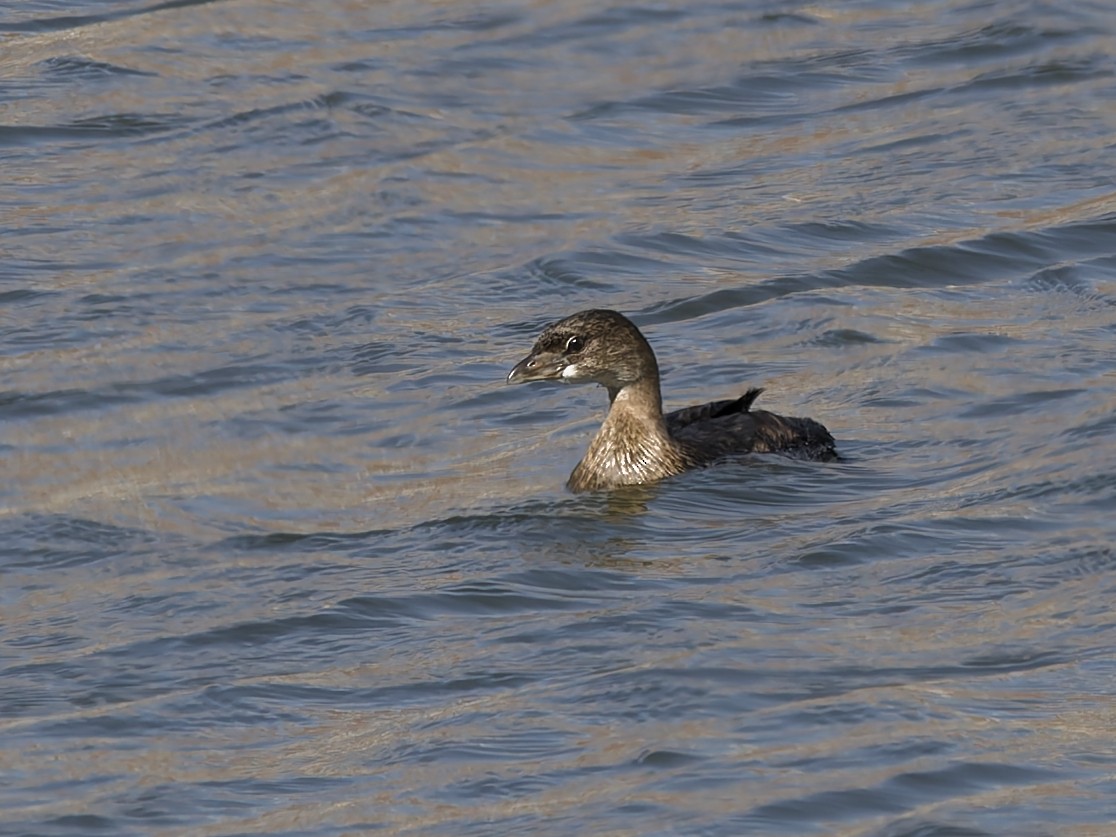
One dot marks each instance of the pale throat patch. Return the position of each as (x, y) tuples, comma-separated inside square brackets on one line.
[(570, 371)]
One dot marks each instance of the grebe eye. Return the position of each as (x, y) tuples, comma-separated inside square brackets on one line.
[(574, 344)]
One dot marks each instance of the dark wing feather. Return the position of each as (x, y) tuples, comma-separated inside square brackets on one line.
[(680, 419), (801, 438), (723, 428)]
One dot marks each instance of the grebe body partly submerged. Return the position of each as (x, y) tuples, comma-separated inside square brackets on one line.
[(637, 444)]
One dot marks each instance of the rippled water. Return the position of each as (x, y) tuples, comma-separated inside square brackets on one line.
[(281, 554)]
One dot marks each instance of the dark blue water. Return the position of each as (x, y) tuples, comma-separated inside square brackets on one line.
[(282, 555)]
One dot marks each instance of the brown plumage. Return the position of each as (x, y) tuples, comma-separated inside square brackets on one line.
[(637, 444)]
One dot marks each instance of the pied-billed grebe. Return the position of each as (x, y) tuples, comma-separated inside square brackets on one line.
[(636, 443)]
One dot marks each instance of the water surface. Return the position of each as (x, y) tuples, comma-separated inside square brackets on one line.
[(282, 554)]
